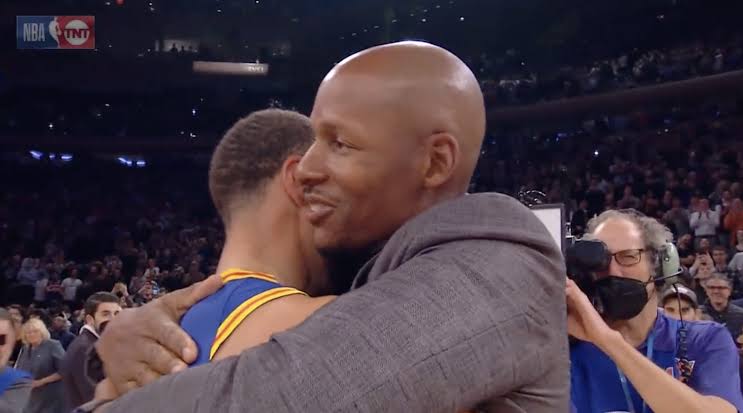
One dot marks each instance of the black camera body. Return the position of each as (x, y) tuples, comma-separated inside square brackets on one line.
[(584, 259)]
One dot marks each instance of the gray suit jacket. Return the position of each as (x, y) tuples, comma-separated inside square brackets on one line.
[(463, 307)]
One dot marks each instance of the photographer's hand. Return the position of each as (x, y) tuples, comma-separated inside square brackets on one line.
[(584, 322)]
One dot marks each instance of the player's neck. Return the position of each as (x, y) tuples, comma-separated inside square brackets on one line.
[(636, 330), (265, 241)]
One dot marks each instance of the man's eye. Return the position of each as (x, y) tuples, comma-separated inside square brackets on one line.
[(336, 144)]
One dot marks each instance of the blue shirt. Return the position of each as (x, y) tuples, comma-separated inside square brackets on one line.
[(212, 320), (595, 381)]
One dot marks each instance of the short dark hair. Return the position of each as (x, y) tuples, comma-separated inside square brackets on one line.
[(719, 248), (253, 151), (20, 309), (92, 303)]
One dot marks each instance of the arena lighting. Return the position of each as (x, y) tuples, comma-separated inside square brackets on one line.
[(66, 157), (229, 68), (141, 163), (36, 155), (124, 161)]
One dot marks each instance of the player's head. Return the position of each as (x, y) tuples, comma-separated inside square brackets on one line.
[(398, 128), (258, 156), (680, 302)]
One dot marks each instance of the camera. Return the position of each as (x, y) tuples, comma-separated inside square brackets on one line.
[(583, 260)]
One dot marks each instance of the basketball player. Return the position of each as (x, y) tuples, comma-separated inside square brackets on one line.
[(459, 305), (268, 262)]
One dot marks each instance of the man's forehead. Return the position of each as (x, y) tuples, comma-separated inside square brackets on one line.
[(619, 234)]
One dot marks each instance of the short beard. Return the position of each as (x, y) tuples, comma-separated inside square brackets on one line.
[(343, 265)]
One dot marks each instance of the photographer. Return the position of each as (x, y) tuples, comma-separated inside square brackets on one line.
[(630, 356)]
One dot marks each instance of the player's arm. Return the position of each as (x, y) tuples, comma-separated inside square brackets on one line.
[(270, 318)]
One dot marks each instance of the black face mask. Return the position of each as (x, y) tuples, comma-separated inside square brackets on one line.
[(620, 298)]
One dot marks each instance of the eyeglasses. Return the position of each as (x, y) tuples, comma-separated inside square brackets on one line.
[(628, 258), (718, 287)]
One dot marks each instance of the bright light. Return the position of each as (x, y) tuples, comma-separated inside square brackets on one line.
[(66, 157), (596, 153), (141, 163), (51, 126), (36, 154), (461, 19), (193, 112)]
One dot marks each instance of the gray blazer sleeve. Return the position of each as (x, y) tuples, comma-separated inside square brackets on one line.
[(15, 397), (433, 335)]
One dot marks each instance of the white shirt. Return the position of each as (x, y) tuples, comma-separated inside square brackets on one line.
[(736, 264), (70, 286), (704, 224)]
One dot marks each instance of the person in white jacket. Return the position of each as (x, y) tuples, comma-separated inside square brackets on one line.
[(705, 221)]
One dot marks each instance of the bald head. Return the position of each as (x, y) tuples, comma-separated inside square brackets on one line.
[(398, 128), (430, 89)]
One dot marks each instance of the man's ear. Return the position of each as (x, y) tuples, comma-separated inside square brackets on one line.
[(89, 320), (442, 156), (289, 180)]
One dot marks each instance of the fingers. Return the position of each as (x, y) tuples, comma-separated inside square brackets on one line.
[(178, 302), (166, 356), (147, 376)]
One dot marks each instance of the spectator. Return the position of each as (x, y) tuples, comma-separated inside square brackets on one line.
[(60, 331), (686, 250), (580, 219), (79, 382), (27, 277), (677, 218), (41, 356), (15, 385), (719, 307), (734, 220), (681, 303), (17, 315), (70, 286), (704, 222), (120, 291)]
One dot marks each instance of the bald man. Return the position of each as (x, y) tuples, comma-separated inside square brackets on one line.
[(459, 301)]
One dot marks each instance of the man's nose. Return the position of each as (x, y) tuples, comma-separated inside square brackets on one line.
[(614, 267), (311, 169)]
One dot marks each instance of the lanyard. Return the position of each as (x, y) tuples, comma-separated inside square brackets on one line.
[(623, 379)]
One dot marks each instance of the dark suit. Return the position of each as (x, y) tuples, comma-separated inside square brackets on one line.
[(78, 387)]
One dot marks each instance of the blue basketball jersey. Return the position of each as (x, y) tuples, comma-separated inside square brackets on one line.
[(212, 320)]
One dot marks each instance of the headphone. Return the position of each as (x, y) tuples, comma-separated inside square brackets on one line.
[(668, 264)]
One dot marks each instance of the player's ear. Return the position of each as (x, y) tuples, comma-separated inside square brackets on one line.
[(289, 180)]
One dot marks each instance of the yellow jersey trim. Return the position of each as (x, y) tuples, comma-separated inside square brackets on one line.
[(233, 320)]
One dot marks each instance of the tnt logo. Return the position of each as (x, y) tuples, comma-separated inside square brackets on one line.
[(55, 32)]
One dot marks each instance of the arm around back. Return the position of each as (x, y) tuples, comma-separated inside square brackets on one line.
[(435, 334)]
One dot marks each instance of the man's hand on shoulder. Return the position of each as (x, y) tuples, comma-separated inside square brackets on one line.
[(142, 344)]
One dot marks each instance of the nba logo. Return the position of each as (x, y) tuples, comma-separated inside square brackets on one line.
[(55, 32)]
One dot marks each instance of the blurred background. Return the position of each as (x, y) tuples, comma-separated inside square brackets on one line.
[(597, 105)]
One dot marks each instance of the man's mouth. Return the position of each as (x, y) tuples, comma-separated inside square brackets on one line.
[(317, 208)]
